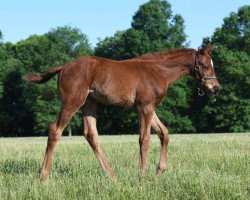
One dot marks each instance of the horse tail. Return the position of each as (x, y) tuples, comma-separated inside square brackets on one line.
[(37, 78)]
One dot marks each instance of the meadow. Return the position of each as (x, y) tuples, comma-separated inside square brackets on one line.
[(205, 166)]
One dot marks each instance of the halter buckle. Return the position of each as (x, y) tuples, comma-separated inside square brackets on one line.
[(197, 68)]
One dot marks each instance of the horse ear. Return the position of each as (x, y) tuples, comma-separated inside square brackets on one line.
[(208, 49), (205, 49)]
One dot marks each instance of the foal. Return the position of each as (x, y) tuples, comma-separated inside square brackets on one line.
[(140, 83)]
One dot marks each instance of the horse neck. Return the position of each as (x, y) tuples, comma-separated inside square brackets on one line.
[(175, 67)]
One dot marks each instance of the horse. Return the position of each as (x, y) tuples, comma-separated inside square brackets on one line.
[(140, 83)]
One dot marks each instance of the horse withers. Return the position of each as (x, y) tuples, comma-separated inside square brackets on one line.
[(140, 83)]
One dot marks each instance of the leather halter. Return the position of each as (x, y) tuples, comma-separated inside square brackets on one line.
[(202, 77)]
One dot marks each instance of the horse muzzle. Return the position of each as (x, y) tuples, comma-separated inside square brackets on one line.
[(214, 90)]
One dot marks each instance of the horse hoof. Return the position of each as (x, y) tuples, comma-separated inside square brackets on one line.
[(112, 176), (159, 171), (43, 176)]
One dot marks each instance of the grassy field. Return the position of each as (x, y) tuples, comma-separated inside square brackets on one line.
[(211, 166)]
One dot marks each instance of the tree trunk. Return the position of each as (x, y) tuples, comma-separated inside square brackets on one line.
[(69, 132)]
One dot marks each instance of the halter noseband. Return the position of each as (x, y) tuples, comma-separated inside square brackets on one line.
[(202, 77)]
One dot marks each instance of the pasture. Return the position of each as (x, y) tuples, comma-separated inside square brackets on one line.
[(206, 166)]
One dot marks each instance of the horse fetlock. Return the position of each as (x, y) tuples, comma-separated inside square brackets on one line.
[(142, 171)]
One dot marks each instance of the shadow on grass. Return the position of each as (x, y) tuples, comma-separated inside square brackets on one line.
[(59, 168)]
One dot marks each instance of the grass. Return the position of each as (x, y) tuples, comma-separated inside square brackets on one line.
[(210, 166)]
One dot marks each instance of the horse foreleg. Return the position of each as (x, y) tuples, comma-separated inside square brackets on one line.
[(162, 133), (145, 117)]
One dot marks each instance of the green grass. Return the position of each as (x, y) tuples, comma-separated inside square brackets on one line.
[(211, 166)]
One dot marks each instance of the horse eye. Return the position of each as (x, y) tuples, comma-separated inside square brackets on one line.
[(206, 68)]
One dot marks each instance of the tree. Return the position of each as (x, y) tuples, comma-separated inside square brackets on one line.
[(230, 111), (153, 29), (152, 18), (26, 109), (1, 36), (156, 21), (15, 116), (1, 61), (110, 47), (67, 44)]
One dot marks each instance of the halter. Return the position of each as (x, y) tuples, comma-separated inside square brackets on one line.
[(202, 77)]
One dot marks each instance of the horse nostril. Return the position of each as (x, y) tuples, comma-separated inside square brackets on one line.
[(216, 89)]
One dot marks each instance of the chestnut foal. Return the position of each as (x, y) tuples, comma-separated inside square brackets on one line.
[(140, 83)]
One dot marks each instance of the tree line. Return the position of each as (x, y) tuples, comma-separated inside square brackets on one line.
[(27, 110)]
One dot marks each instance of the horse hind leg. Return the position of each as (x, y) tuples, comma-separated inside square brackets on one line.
[(91, 135), (68, 110), (162, 133)]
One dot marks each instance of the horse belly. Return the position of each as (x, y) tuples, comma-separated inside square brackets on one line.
[(121, 98)]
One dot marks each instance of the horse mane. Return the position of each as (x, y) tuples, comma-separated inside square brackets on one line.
[(165, 53)]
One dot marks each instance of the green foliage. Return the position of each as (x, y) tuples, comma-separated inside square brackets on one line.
[(152, 19), (155, 20), (1, 36), (230, 110), (33, 108), (109, 47), (235, 32), (175, 108), (67, 44), (15, 116), (199, 167), (153, 29)]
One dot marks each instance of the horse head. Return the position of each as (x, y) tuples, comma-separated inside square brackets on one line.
[(204, 71)]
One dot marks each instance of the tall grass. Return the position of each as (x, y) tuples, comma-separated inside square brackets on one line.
[(211, 166)]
